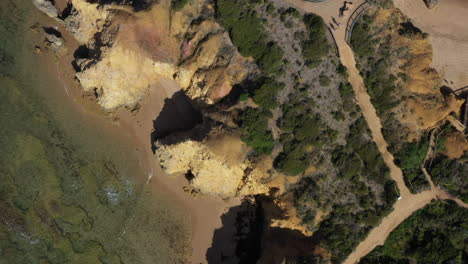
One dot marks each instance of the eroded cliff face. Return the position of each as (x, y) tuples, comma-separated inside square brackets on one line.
[(421, 105), (124, 52), (218, 166)]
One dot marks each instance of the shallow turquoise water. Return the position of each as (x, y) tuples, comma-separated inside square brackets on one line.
[(68, 191)]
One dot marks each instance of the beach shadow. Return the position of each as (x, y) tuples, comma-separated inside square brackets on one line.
[(177, 115), (137, 5), (239, 238), (283, 245), (247, 237)]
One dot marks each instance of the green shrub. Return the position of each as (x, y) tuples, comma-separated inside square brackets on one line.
[(316, 46), (451, 174), (178, 4), (434, 234), (255, 133), (293, 160), (244, 97), (247, 33), (361, 39), (265, 96), (410, 158), (324, 80)]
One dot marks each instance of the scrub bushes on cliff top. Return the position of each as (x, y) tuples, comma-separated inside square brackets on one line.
[(316, 46), (434, 234), (301, 130), (361, 38), (265, 96), (451, 174), (410, 158), (363, 176), (247, 33), (255, 133)]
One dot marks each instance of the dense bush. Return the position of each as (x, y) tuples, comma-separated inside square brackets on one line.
[(359, 165), (434, 234), (302, 129), (361, 40), (178, 4), (410, 158), (247, 33), (451, 174), (265, 96), (316, 46), (255, 133)]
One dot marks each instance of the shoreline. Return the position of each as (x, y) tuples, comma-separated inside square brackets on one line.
[(204, 212)]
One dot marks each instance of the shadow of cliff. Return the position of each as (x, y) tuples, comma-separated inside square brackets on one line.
[(177, 115), (246, 237), (283, 245), (239, 238), (137, 5)]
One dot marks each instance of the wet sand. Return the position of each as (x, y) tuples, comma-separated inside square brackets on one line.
[(135, 129)]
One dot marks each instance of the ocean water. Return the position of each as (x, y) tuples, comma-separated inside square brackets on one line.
[(69, 192)]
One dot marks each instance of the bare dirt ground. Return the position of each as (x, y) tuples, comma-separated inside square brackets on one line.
[(446, 25), (408, 203)]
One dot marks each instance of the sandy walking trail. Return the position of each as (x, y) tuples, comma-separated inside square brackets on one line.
[(408, 203)]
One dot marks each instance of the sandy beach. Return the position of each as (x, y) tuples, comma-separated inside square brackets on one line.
[(135, 129)]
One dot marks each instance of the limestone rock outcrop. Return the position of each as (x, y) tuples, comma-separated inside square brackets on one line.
[(217, 167), (47, 7), (125, 52)]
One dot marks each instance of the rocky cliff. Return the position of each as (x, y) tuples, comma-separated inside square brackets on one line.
[(124, 52)]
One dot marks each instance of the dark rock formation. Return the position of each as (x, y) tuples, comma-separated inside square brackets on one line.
[(431, 3)]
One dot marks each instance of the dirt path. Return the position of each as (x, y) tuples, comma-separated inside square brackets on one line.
[(408, 203), (326, 10)]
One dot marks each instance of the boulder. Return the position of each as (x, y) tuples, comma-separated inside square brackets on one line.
[(431, 3), (47, 7)]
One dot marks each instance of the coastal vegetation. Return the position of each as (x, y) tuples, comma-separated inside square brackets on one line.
[(434, 234), (360, 167), (300, 127), (255, 132), (247, 33), (265, 95), (451, 174), (409, 158), (316, 45)]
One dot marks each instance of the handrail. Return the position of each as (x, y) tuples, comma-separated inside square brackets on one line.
[(352, 19), (337, 51)]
